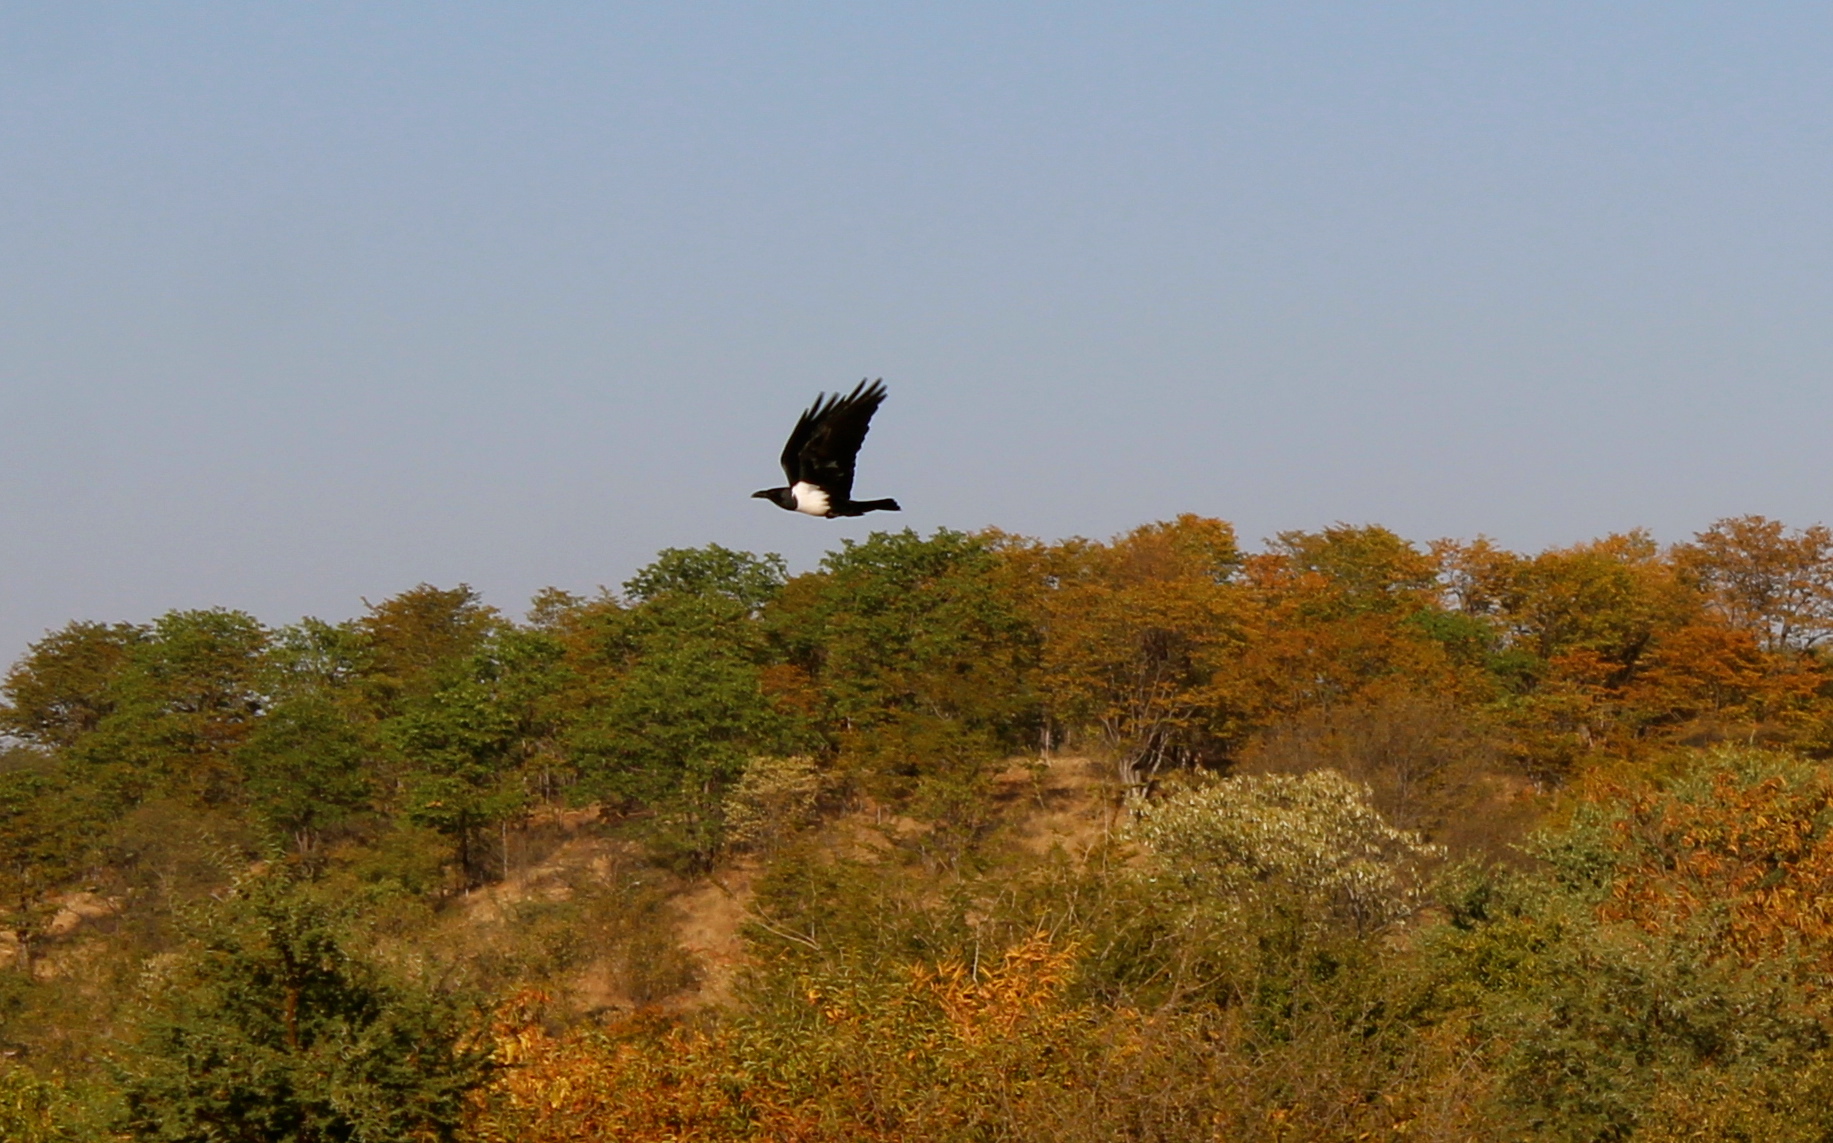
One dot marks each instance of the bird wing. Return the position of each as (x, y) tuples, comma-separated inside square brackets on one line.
[(826, 439)]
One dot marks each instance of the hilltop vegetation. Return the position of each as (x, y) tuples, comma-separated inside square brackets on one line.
[(1385, 841)]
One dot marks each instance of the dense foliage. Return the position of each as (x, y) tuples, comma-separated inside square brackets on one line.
[(1380, 840)]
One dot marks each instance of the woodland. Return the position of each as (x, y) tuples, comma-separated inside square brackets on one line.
[(1346, 837)]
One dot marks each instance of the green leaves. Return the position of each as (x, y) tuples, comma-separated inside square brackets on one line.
[(741, 577), (62, 688), (1669, 941), (306, 768), (271, 1030), (898, 622), (675, 730), (460, 746)]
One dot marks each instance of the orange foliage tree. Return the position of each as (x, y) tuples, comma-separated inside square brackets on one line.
[(1766, 579), (943, 1053), (1138, 639), (1346, 613), (1747, 833)]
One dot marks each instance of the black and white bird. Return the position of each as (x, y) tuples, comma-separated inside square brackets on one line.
[(818, 460)]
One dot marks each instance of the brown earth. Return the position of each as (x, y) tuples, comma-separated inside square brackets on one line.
[(1042, 804)]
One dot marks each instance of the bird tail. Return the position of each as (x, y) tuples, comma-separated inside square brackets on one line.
[(886, 505)]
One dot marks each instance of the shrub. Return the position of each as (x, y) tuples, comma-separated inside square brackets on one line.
[(272, 1031), (773, 797), (1671, 946), (1314, 833)]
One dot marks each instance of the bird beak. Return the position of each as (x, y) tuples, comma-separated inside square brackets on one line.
[(764, 495)]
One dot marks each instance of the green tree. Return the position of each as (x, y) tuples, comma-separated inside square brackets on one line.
[(900, 622), (305, 768), (470, 751), (459, 745), (187, 696), (313, 657), (36, 1109), (710, 571), (925, 662), (679, 706), (62, 688), (272, 1030)]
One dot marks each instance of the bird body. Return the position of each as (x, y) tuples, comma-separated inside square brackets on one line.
[(820, 456)]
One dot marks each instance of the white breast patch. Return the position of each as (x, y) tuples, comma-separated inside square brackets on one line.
[(809, 499)]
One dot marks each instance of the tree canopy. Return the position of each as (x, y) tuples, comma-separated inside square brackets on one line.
[(1373, 838)]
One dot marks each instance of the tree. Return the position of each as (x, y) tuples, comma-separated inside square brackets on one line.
[(677, 706), (411, 641), (272, 1030), (1368, 568), (1746, 835), (902, 623), (60, 690), (1325, 632), (1140, 636), (1663, 966), (1316, 834), (43, 837), (1709, 676), (916, 655), (772, 799), (741, 577), (37, 1109), (1766, 579), (313, 657), (187, 695), (1579, 628), (460, 745), (305, 768), (1603, 602), (461, 694), (1423, 756)]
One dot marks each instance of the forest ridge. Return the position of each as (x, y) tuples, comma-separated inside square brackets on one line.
[(1396, 841)]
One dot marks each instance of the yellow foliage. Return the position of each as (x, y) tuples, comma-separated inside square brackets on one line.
[(1762, 850)]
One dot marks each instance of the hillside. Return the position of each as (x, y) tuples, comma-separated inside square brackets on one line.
[(957, 837)]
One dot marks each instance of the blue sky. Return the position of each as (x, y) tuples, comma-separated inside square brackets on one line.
[(302, 304)]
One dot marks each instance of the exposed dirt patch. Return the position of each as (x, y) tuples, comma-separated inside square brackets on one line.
[(74, 911), (712, 915), (1042, 805), (553, 879), (1058, 801), (75, 908)]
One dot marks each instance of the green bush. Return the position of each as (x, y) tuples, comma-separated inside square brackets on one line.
[(270, 1030)]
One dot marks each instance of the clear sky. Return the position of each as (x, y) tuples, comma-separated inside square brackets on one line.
[(305, 303)]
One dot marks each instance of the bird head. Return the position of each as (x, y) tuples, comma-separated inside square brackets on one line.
[(781, 497)]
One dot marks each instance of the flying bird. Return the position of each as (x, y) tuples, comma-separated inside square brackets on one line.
[(818, 460)]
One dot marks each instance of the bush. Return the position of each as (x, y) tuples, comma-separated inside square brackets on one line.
[(1226, 842), (773, 798), (34, 1109), (272, 1031), (1669, 947)]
